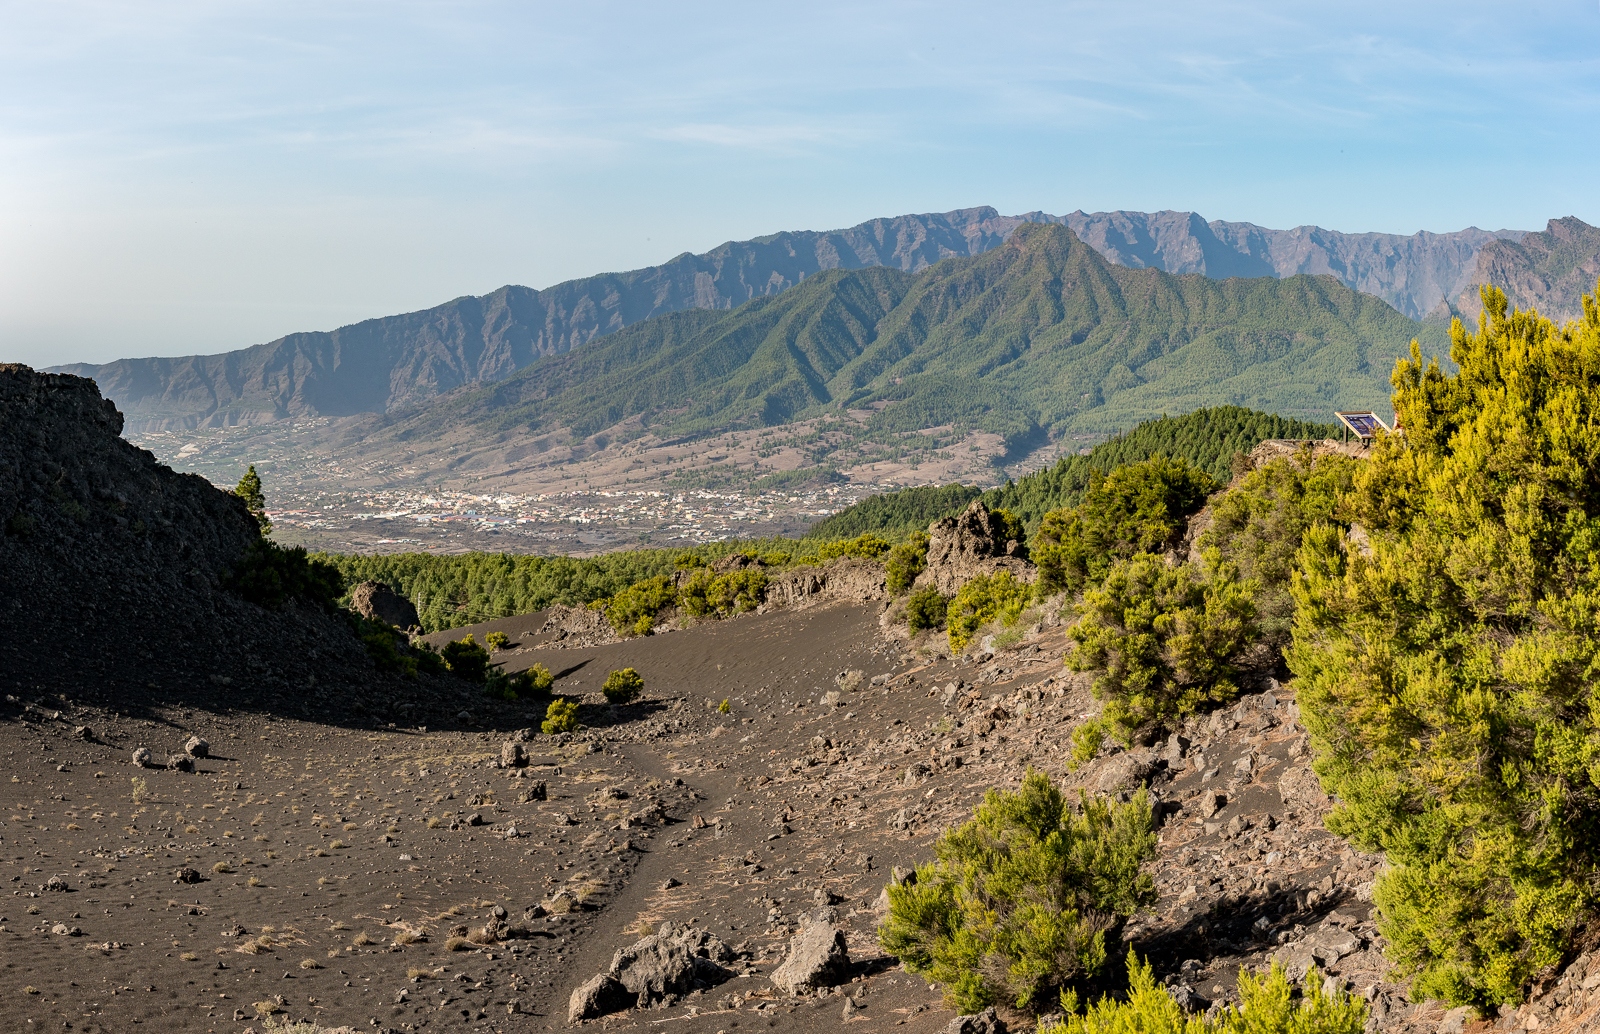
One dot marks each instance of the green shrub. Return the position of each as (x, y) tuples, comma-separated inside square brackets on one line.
[(536, 679), (926, 609), (623, 687), (428, 659), (905, 562), (382, 643), (982, 600), (1267, 1006), (1162, 638), (687, 561), (776, 559), (466, 659), (560, 716), (249, 489), (269, 575), (1140, 508), (499, 685), (704, 595), (1446, 667), (497, 640), (642, 599), (1259, 525), (867, 547), (1014, 529), (1026, 900)]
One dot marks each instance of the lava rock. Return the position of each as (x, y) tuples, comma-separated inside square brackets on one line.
[(986, 1022), (375, 601), (197, 748), (142, 757), (512, 755), (818, 957), (600, 995)]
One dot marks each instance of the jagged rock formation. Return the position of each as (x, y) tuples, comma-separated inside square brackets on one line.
[(973, 544), (393, 362), (1549, 271)]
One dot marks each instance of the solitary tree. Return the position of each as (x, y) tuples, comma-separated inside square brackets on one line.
[(250, 491)]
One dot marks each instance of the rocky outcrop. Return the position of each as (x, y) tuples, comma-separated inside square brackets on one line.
[(577, 626), (670, 962), (847, 578), (375, 601), (1549, 271), (975, 543)]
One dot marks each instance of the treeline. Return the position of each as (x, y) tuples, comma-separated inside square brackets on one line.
[(1206, 439), (894, 514), (451, 591)]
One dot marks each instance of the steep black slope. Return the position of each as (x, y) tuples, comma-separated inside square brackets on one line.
[(111, 579)]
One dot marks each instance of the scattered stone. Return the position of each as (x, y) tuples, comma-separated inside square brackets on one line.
[(142, 757), (56, 884), (1188, 999), (180, 763), (512, 755), (83, 732), (1210, 803), (1456, 1020), (818, 957), (197, 748), (986, 1022), (537, 792), (188, 875), (598, 996)]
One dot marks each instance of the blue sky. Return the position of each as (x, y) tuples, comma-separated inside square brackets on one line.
[(197, 177)]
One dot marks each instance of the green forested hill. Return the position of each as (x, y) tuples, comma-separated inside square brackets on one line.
[(1039, 335), (1206, 438)]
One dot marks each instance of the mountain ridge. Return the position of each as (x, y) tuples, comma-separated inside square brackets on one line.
[(395, 362)]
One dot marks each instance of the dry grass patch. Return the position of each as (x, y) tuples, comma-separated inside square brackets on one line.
[(310, 964), (361, 939), (222, 868), (458, 944), (410, 937), (188, 956)]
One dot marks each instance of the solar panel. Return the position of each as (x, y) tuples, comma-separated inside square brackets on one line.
[(1365, 425)]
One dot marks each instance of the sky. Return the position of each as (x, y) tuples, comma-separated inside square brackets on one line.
[(180, 178)]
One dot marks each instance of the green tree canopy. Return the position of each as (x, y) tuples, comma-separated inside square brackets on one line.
[(1446, 658), (249, 489)]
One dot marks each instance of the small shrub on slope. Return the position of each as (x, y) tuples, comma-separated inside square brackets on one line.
[(560, 716), (1446, 667), (640, 600), (904, 563), (1140, 508), (926, 609), (1162, 638), (623, 687), (1026, 900), (466, 659), (1267, 1006), (984, 599)]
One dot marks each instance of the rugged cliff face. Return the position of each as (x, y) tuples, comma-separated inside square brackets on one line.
[(1549, 271), (384, 364)]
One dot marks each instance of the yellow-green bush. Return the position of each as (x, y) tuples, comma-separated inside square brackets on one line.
[(643, 599), (1162, 638), (706, 596), (1026, 900), (867, 547), (1139, 508), (1267, 1006), (1446, 667), (1259, 525), (560, 716), (497, 640), (623, 687), (982, 600)]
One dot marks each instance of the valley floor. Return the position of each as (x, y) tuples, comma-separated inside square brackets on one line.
[(319, 871)]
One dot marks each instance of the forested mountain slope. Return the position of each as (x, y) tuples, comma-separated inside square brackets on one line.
[(399, 361), (1037, 338)]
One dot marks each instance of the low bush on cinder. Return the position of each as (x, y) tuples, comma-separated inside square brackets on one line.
[(734, 592), (1162, 639), (993, 597), (497, 640), (466, 659), (269, 575), (641, 600), (904, 563), (623, 687), (384, 645), (926, 609), (1267, 1006), (560, 716), (1026, 901)]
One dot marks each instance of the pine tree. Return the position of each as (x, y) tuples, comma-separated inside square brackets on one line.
[(249, 490)]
